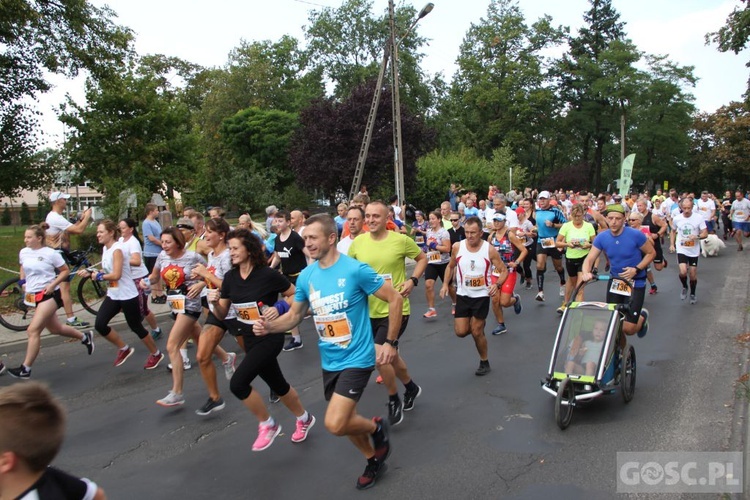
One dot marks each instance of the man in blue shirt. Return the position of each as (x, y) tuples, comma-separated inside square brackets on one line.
[(336, 288), (151, 231), (549, 220), (630, 253)]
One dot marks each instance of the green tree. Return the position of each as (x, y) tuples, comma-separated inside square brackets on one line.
[(5, 220), (135, 130), (37, 38), (734, 34), (346, 45), (501, 91), (25, 214), (598, 81), (660, 121)]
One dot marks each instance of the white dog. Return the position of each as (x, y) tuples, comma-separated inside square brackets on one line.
[(711, 246)]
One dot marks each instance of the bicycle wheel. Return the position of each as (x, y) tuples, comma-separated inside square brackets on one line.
[(564, 403), (628, 375), (14, 314), (91, 294)]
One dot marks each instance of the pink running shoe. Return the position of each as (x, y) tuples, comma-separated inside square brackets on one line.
[(300, 433), (266, 435)]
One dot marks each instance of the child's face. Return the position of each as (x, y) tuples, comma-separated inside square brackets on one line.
[(600, 331)]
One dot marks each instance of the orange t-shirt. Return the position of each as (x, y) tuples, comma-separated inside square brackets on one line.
[(389, 225)]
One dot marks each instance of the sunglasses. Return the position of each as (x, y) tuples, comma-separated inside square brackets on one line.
[(455, 220), (183, 226)]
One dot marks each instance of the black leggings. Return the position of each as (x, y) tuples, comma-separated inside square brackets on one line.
[(110, 308), (260, 360), (530, 257)]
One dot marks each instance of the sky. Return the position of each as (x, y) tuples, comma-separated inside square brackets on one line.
[(205, 32)]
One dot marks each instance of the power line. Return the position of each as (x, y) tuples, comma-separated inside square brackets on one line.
[(313, 3)]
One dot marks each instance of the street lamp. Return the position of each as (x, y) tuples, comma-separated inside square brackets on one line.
[(391, 52)]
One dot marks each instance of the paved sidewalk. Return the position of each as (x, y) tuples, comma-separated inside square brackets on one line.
[(10, 337)]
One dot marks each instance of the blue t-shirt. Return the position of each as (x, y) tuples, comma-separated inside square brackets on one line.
[(151, 228), (552, 214), (623, 251), (339, 290), (471, 212)]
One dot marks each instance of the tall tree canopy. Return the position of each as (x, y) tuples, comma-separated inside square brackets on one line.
[(36, 37)]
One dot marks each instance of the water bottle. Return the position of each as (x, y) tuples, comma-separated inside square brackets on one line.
[(148, 284), (263, 308)]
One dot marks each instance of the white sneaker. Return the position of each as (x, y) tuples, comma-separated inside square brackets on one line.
[(171, 399), (185, 365), (562, 290), (229, 365)]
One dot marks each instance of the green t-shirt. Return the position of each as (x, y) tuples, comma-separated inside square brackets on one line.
[(571, 233), (385, 257)]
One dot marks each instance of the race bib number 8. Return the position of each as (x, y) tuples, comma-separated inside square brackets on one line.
[(620, 287), (333, 328), (247, 312)]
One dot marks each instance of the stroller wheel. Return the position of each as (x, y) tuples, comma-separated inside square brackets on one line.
[(628, 375), (564, 403)]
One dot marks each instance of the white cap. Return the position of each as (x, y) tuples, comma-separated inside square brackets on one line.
[(57, 195), (543, 194)]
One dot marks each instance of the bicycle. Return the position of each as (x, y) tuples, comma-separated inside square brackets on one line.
[(16, 315)]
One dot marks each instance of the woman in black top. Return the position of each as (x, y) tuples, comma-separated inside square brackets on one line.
[(248, 287)]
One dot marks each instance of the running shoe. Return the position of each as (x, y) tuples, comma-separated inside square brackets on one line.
[(484, 368), (300, 433), (156, 334), (562, 290), (379, 379), (693, 300), (653, 290), (2, 368), (161, 299), (381, 439), (683, 294), (185, 365), (153, 361), (77, 323), (372, 472), (273, 397), (499, 329), (19, 372), (88, 341), (528, 285), (539, 297), (266, 435), (517, 304), (210, 407), (431, 313), (561, 309), (123, 355), (229, 365), (395, 412), (171, 399), (292, 345), (409, 397), (644, 328)]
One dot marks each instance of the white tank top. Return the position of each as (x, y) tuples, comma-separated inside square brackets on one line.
[(124, 288), (473, 269)]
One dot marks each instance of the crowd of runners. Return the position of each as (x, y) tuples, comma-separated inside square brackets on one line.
[(352, 276)]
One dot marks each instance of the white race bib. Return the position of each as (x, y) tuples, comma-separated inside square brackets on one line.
[(334, 328), (176, 303), (620, 287), (247, 312), (548, 242)]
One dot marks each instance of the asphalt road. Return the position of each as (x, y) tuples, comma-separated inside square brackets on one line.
[(468, 436)]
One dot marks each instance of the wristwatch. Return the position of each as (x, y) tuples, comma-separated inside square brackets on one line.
[(414, 280), (393, 343)]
